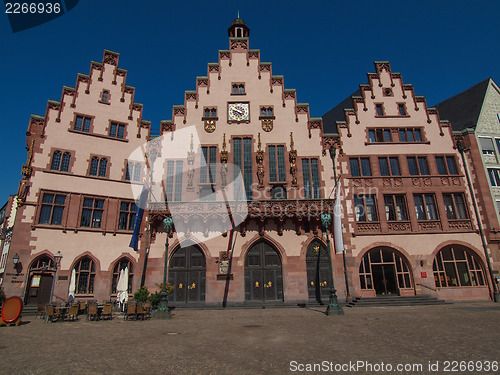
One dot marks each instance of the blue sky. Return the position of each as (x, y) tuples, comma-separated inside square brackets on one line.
[(323, 49)]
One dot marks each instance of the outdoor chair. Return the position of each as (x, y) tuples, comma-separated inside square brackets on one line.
[(40, 311), (81, 307), (107, 311), (92, 312), (50, 314), (73, 312), (147, 311), (131, 311), (140, 311)]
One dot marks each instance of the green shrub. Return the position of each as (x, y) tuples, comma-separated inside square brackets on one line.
[(155, 298), (142, 294)]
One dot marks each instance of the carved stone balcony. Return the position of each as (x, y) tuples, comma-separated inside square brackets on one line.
[(300, 209)]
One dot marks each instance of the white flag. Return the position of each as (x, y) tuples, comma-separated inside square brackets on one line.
[(337, 223)]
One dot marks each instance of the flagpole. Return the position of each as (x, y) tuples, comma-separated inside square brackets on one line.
[(333, 152), (146, 251)]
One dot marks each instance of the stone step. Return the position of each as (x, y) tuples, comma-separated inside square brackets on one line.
[(395, 301)]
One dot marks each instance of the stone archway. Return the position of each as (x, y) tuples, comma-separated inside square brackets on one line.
[(386, 272)]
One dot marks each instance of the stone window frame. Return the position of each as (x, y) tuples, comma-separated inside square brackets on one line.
[(240, 88), (63, 152), (99, 157), (84, 116)]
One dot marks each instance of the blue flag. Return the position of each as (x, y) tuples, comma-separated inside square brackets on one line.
[(134, 242)]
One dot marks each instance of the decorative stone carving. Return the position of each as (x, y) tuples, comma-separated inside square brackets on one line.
[(223, 160), (399, 227), (460, 225), (202, 82), (209, 126), (213, 68), (302, 108), (263, 67), (267, 124), (445, 181), (260, 164), (191, 96), (292, 156), (110, 58), (24, 188), (368, 227), (190, 162), (398, 182), (167, 126), (276, 81), (429, 226)]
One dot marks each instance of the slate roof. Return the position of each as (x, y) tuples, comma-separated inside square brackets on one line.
[(463, 109), (335, 114)]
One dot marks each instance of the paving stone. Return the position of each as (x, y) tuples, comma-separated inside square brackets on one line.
[(254, 341)]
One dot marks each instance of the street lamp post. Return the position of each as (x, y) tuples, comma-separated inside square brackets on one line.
[(333, 304), (57, 259), (163, 311)]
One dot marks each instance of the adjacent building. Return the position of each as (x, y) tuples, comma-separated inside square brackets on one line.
[(475, 118)]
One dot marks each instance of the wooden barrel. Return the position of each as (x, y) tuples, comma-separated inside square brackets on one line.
[(11, 309)]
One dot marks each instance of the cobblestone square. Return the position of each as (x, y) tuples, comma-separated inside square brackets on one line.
[(257, 341)]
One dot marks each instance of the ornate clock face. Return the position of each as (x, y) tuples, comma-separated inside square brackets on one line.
[(238, 111)]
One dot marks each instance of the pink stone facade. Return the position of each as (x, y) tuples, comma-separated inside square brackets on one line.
[(241, 113)]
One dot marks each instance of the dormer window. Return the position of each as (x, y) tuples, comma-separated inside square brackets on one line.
[(105, 96), (238, 89), (379, 109)]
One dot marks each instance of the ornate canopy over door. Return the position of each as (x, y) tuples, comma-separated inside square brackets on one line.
[(318, 272), (263, 274), (187, 273)]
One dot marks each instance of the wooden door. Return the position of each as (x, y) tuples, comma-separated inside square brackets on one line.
[(187, 273), (318, 272), (263, 274)]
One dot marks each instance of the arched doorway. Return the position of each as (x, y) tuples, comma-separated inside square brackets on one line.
[(318, 272), (187, 273), (263, 274), (41, 275), (385, 272)]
